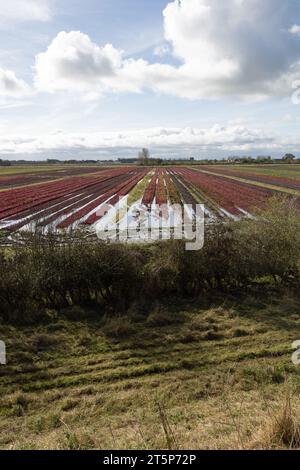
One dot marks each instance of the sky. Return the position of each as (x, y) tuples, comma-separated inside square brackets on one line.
[(101, 79)]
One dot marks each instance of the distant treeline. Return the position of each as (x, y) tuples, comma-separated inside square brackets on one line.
[(46, 276), (288, 159)]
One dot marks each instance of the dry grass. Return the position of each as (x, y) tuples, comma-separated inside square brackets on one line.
[(282, 429), (188, 377)]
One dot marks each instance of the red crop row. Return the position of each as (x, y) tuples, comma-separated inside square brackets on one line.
[(118, 193), (98, 190), (268, 179), (61, 201), (72, 197), (114, 200), (77, 199), (161, 190), (230, 195), (44, 176), (111, 197), (18, 201), (149, 194)]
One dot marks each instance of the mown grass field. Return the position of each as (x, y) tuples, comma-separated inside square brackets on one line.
[(204, 375)]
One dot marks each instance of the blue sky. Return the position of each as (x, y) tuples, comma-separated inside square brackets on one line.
[(100, 79)]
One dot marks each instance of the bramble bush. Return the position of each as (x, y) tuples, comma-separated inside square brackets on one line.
[(108, 278)]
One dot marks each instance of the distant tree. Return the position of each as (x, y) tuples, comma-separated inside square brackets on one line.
[(4, 162), (263, 159), (289, 158), (155, 161), (144, 156)]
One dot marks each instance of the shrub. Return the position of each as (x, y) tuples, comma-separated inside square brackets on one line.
[(77, 277), (269, 245)]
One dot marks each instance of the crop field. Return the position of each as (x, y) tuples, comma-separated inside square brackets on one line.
[(291, 171), (283, 176), (62, 198), (19, 176), (115, 346)]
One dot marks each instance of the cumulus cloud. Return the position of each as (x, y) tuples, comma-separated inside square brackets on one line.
[(162, 141), (295, 29), (25, 10), (247, 48), (73, 61), (237, 46), (11, 86)]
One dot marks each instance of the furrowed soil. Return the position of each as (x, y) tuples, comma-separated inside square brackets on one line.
[(204, 375)]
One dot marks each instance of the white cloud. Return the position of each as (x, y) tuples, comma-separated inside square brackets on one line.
[(11, 86), (295, 29), (24, 10), (237, 47), (162, 50), (74, 62), (161, 141)]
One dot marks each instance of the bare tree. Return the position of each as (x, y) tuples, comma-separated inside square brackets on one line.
[(289, 157), (144, 156)]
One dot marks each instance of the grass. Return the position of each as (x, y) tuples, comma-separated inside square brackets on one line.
[(201, 375), (133, 197), (138, 191)]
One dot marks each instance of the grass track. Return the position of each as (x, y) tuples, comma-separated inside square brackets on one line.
[(78, 384)]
